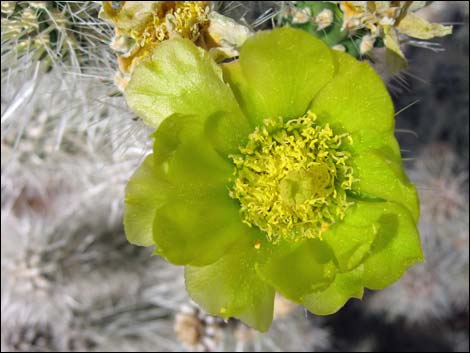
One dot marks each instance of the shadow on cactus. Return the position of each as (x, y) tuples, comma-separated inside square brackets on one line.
[(278, 172)]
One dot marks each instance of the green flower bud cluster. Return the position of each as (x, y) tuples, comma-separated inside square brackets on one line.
[(358, 27)]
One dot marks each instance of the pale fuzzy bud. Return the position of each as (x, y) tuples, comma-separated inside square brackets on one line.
[(300, 16), (29, 19), (324, 19), (387, 21), (36, 4), (8, 7), (226, 32), (339, 47)]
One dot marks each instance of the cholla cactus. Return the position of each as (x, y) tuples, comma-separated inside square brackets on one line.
[(51, 99), (69, 281), (290, 333), (442, 90), (64, 164), (54, 32), (439, 287), (359, 27)]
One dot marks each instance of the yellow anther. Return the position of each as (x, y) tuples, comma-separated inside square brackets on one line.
[(151, 22), (291, 178)]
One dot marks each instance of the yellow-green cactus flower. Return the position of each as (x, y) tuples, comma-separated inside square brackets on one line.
[(278, 172)]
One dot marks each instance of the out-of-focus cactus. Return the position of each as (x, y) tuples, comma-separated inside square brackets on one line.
[(58, 97), (198, 331), (63, 177), (69, 282), (201, 332), (442, 85), (359, 27), (57, 33)]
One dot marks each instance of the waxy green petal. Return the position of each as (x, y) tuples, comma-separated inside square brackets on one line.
[(226, 134), (363, 141), (199, 221), (188, 159), (396, 248), (231, 287), (197, 231), (145, 192), (352, 238), (381, 175), (355, 100), (183, 166), (345, 286), (179, 78), (279, 73), (296, 269)]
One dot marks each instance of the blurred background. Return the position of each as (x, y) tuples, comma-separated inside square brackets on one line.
[(71, 282)]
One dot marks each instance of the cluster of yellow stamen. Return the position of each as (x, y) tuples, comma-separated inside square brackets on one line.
[(141, 26), (291, 178), (186, 18)]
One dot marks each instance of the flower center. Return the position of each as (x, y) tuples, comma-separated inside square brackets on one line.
[(301, 185), (291, 178)]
